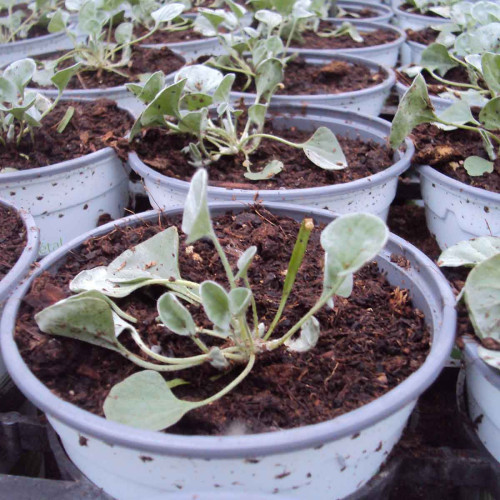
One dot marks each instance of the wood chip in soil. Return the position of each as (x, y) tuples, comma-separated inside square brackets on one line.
[(311, 40), (12, 239), (447, 150), (369, 343), (162, 151), (94, 126)]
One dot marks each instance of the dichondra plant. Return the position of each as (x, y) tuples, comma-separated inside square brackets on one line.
[(145, 399), (198, 104), (21, 110), (481, 292)]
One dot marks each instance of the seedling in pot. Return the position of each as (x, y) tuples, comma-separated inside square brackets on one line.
[(198, 104), (416, 108), (19, 18), (481, 292), (145, 399), (440, 7), (479, 28), (104, 47), (21, 110)]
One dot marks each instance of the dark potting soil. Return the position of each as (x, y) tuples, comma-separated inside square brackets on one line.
[(368, 344), (435, 87), (162, 36), (446, 151), (312, 79), (424, 36), (94, 125), (35, 31), (364, 13), (311, 40), (143, 61), (162, 151), (12, 239)]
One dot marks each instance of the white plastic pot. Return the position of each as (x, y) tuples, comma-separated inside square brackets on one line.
[(409, 20), (17, 273), (372, 194), (483, 397), (456, 211), (10, 52), (384, 14), (66, 199), (369, 101), (411, 52), (386, 54), (326, 460)]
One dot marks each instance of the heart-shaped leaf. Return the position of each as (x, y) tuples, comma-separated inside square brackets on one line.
[(165, 103), (199, 78), (62, 78), (268, 74), (324, 150), (20, 73), (167, 13), (475, 165), (270, 170), (145, 400), (436, 57), (458, 113), (470, 252)]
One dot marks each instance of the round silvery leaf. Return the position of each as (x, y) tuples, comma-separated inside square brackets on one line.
[(167, 13), (269, 18), (470, 252), (199, 78), (20, 72)]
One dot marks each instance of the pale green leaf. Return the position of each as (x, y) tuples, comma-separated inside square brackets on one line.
[(62, 78), (475, 165), (223, 91), (165, 103), (324, 150), (268, 74), (490, 114), (269, 18), (167, 12), (491, 70), (436, 57), (309, 335), (65, 119), (20, 73), (270, 170), (257, 114), (147, 92), (196, 221), (145, 400), (482, 296), (458, 113), (58, 21), (123, 33), (199, 78), (175, 316), (470, 252), (239, 300), (245, 260), (490, 357), (215, 302)]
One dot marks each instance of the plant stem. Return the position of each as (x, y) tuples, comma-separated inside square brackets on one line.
[(223, 258), (456, 84)]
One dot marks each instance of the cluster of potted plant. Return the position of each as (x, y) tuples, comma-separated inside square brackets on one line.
[(245, 339)]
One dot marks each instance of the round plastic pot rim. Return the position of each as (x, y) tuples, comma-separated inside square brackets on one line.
[(29, 41), (350, 117), (472, 357), (231, 446), (420, 17), (360, 24), (28, 255), (432, 174), (381, 10), (387, 82)]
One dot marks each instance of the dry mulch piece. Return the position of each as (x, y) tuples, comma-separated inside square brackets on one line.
[(94, 126), (447, 150), (370, 38), (162, 151), (12, 239), (302, 78), (369, 343), (144, 60)]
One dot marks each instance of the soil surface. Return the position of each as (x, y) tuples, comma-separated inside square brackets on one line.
[(143, 61), (370, 38), (364, 13), (435, 87), (162, 36), (12, 239), (94, 125), (424, 36), (411, 9), (335, 77), (162, 151), (446, 151), (369, 343)]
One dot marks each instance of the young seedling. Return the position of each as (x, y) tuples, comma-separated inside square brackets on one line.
[(96, 21), (481, 292), (479, 28), (416, 108), (440, 7), (21, 110), (145, 399), (198, 104)]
